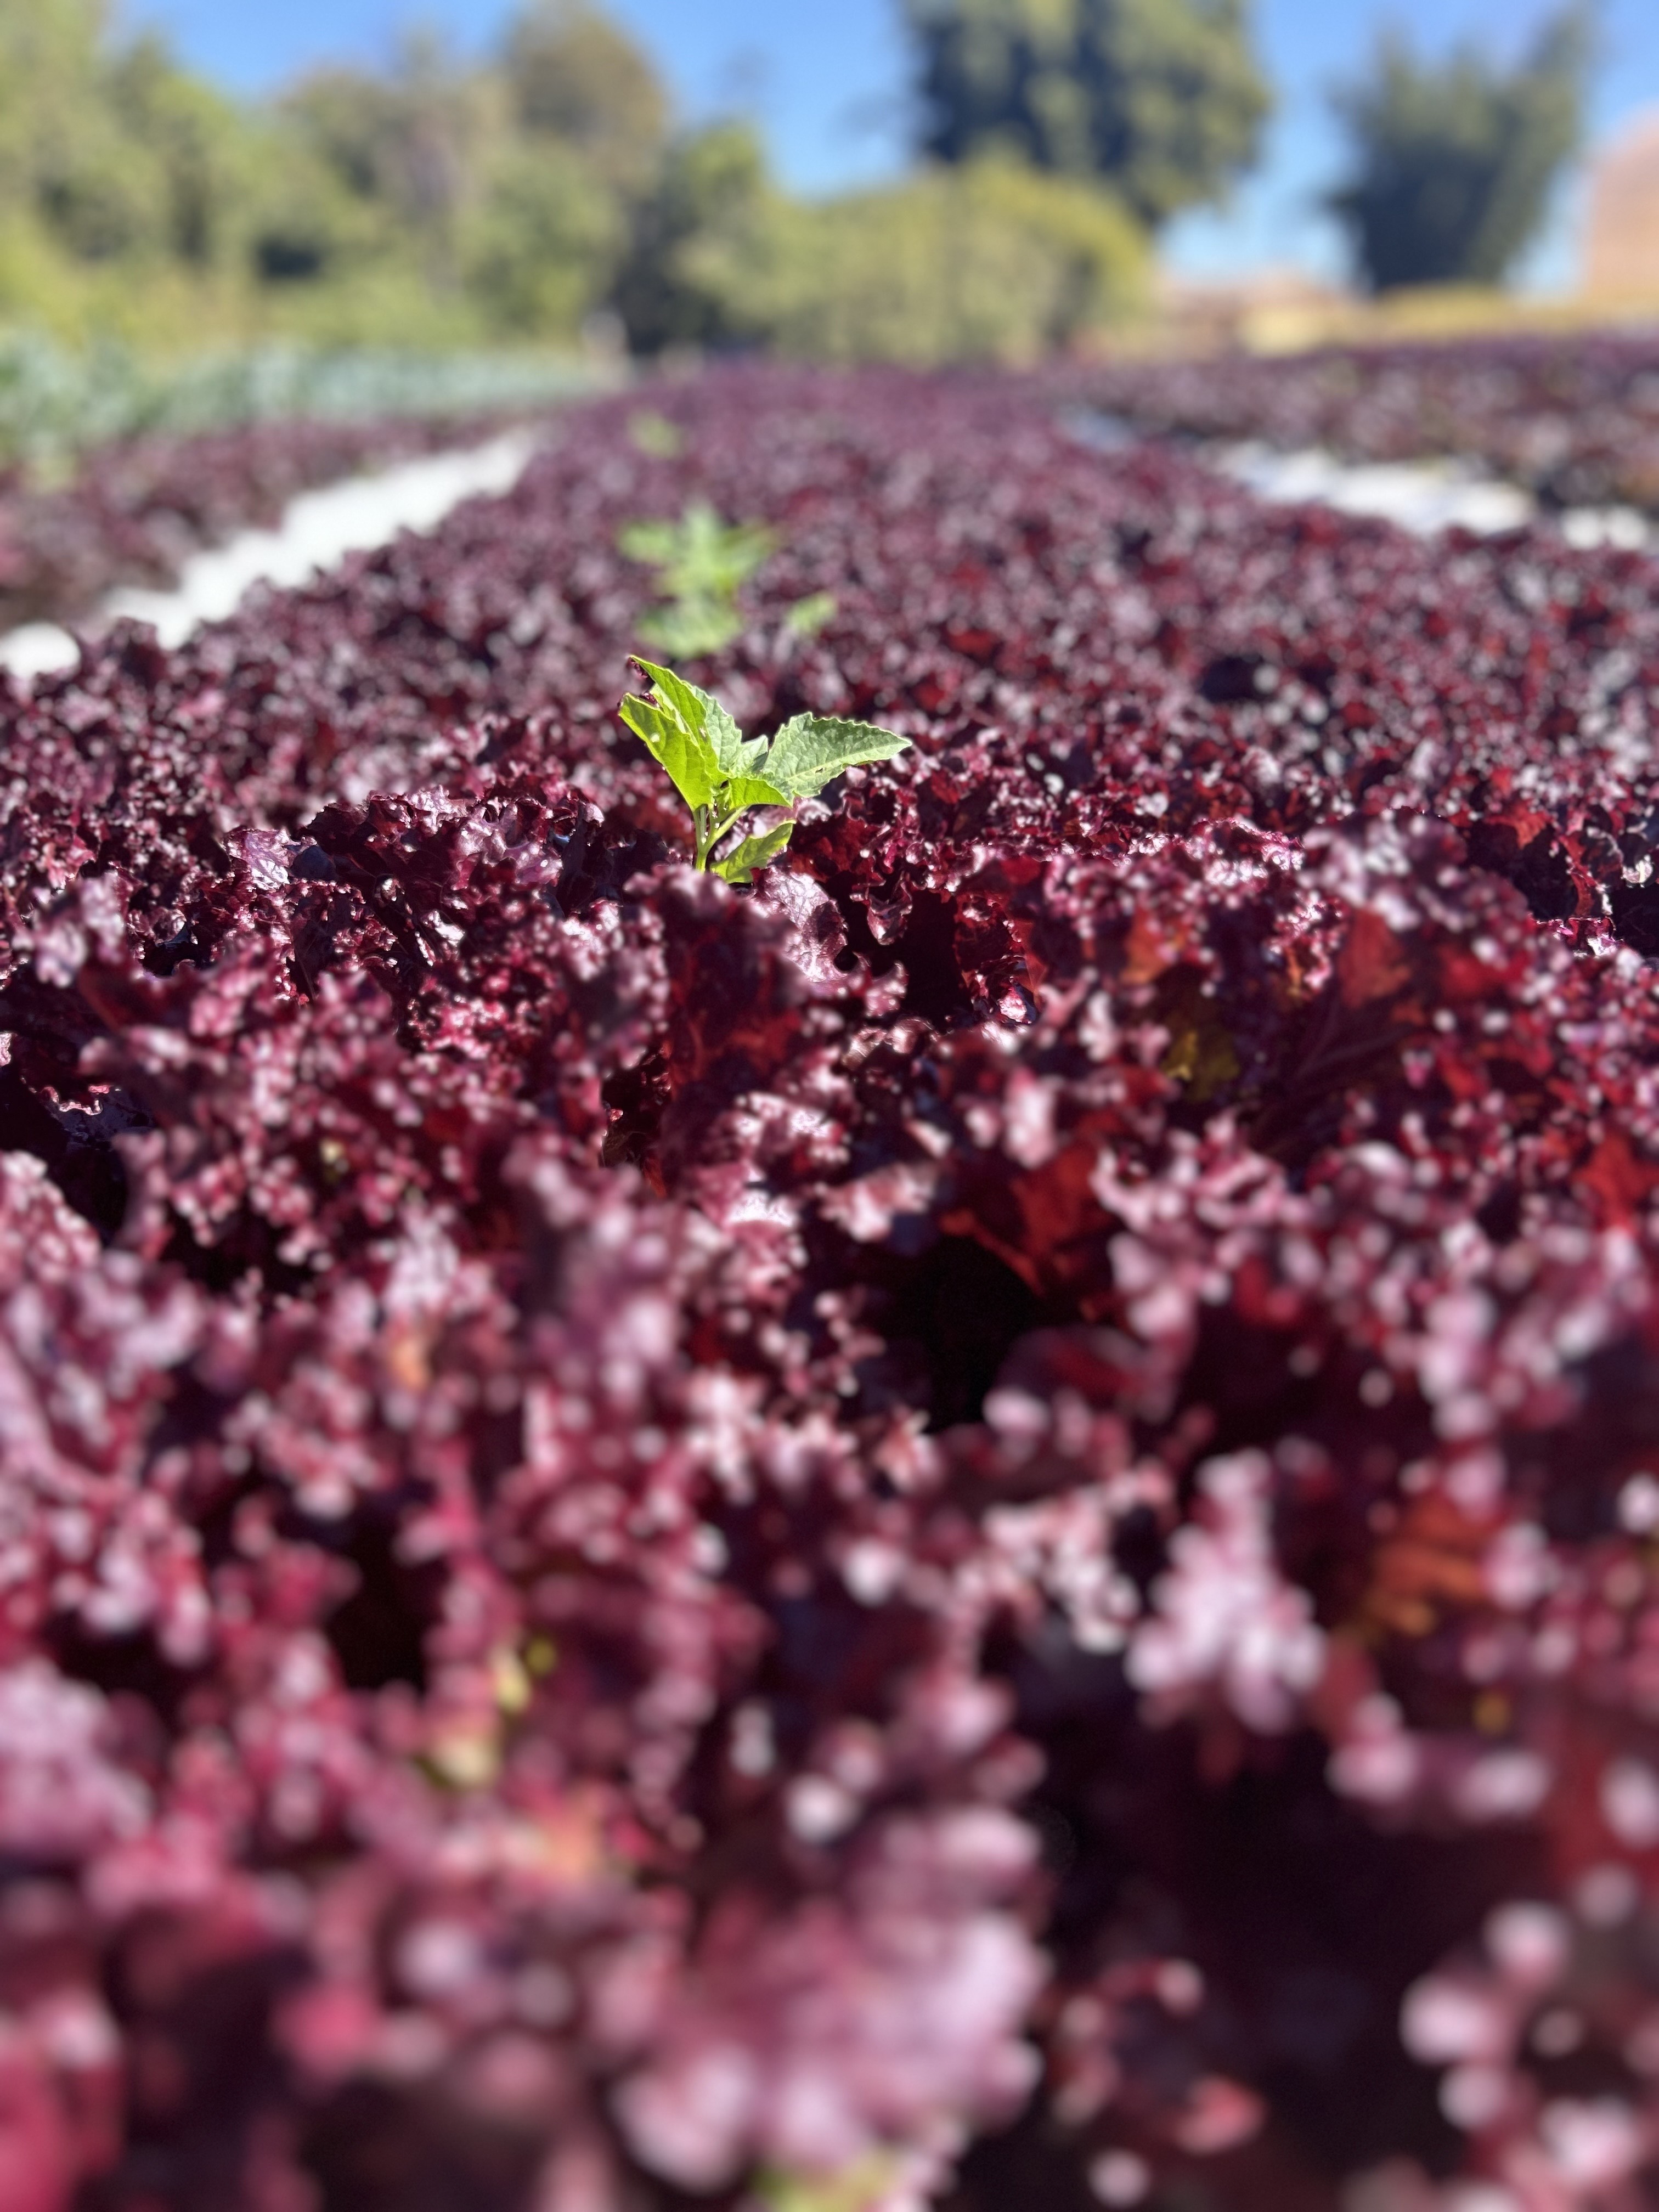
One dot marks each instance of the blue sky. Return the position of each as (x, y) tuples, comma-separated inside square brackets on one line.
[(829, 80)]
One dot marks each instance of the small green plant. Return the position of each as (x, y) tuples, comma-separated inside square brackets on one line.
[(808, 616), (689, 629), (722, 776), (854, 2189), (703, 563), (655, 434)]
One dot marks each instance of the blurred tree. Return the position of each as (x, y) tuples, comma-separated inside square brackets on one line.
[(576, 77), (349, 120), (713, 201), (443, 202), (49, 51), (583, 126), (199, 142), (1162, 99), (541, 246), (100, 199), (405, 148), (62, 162), (300, 225), (1454, 163), (992, 260), (435, 144)]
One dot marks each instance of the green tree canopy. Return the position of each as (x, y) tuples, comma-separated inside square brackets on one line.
[(450, 201), (989, 260), (576, 77), (712, 194), (1162, 99), (1453, 163)]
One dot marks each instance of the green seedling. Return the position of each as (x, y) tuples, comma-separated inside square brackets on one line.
[(700, 557), (722, 776), (689, 629), (852, 2189), (701, 563), (808, 616), (655, 434)]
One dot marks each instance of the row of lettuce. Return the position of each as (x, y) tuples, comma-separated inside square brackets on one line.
[(1573, 417), (119, 469), (972, 1527)]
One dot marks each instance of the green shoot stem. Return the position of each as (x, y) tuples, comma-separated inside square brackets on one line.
[(707, 833)]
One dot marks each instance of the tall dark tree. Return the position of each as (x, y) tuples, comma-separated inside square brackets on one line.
[(1454, 162), (1162, 99)]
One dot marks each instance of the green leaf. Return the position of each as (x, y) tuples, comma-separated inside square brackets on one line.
[(699, 710), (686, 755), (854, 2189), (721, 774), (711, 560), (808, 616), (691, 627), (683, 729), (810, 751), (700, 557), (750, 791), (655, 434), (701, 565), (739, 866), (653, 543)]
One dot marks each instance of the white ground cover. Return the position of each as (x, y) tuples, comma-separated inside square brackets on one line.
[(1423, 497), (318, 529)]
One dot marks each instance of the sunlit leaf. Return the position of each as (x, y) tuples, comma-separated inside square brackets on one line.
[(698, 711), (721, 774), (739, 866), (810, 751), (674, 731)]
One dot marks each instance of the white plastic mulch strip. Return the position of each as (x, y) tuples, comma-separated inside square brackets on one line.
[(1422, 497), (318, 529)]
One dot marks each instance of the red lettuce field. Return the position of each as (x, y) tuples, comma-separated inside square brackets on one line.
[(976, 1529)]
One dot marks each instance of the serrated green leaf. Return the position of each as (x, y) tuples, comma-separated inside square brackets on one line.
[(739, 866), (696, 708), (674, 730), (721, 774), (699, 710), (810, 750), (686, 756), (750, 791)]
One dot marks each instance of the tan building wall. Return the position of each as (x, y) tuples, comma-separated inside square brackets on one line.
[(1621, 244)]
